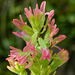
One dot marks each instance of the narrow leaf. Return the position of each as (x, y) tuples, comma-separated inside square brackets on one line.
[(42, 43), (34, 38)]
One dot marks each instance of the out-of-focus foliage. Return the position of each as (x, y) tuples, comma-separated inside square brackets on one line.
[(65, 20)]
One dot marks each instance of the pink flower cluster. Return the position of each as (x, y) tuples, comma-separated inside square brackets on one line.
[(22, 57), (30, 51)]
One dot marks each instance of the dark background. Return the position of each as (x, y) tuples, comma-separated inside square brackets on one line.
[(65, 20)]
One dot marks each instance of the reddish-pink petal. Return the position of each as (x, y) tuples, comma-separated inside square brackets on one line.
[(33, 49), (9, 58), (50, 15), (60, 38), (51, 40), (53, 21), (17, 34), (48, 58), (54, 32), (33, 55), (23, 59), (63, 55), (21, 34), (30, 9), (21, 18), (45, 54), (12, 47), (17, 22), (42, 7), (28, 13), (36, 11), (27, 48)]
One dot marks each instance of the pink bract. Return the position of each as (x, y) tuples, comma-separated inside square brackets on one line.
[(29, 47), (45, 54), (63, 55)]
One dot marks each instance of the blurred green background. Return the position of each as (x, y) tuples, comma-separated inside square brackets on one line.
[(65, 20)]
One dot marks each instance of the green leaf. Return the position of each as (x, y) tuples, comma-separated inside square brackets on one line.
[(46, 37), (54, 73), (34, 38), (28, 30), (42, 43), (45, 27), (44, 62), (32, 21), (41, 20), (55, 63), (26, 37), (37, 22), (55, 56), (17, 66), (34, 71), (23, 73)]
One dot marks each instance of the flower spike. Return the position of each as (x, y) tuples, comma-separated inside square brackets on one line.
[(38, 54)]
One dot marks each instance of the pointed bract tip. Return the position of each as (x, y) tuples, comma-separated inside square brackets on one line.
[(44, 2), (17, 23), (11, 47), (17, 34), (21, 18), (25, 9), (64, 55), (42, 7)]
